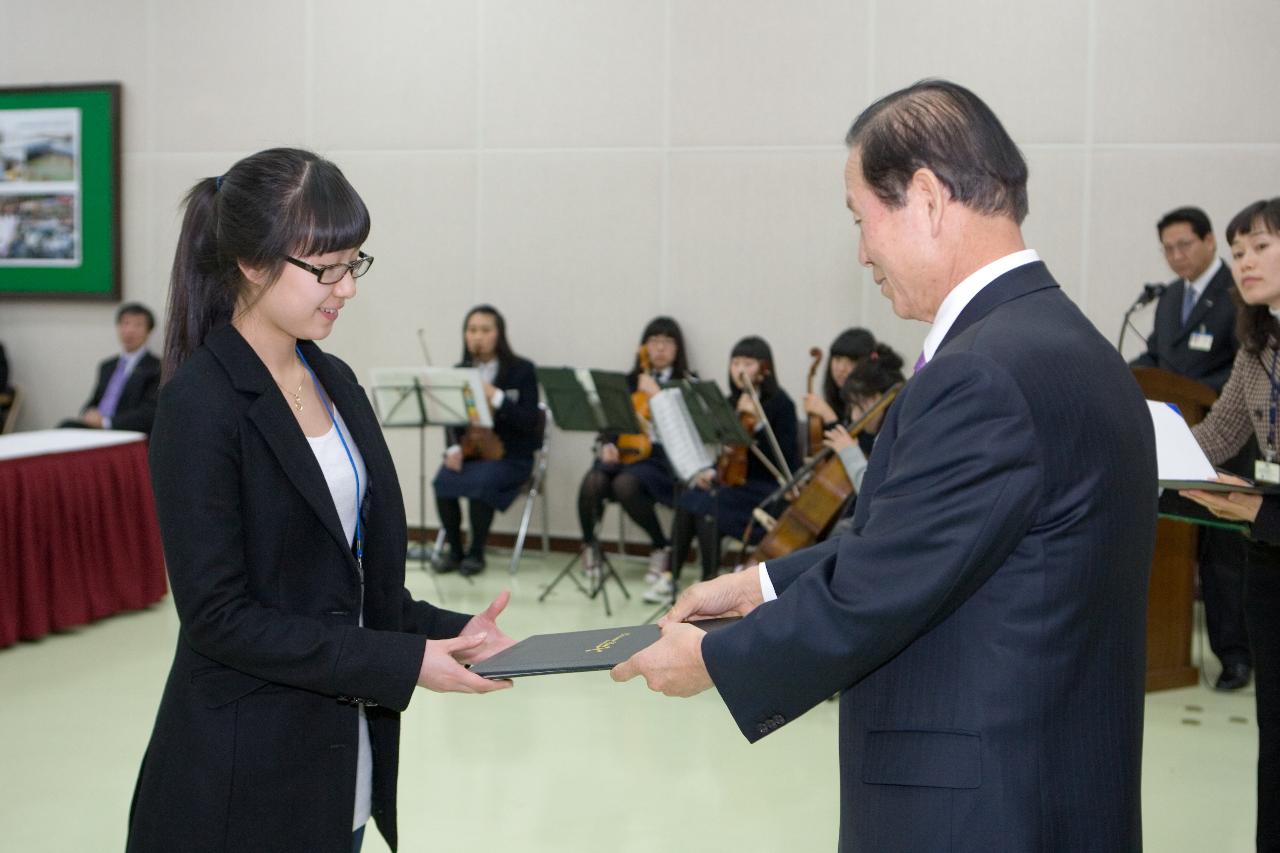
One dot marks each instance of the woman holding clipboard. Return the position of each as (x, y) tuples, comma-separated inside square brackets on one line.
[(1248, 405)]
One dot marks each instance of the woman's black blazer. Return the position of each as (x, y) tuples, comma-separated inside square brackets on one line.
[(254, 746)]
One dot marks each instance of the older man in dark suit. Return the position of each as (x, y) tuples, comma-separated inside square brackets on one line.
[(1194, 335), (984, 619), (128, 385)]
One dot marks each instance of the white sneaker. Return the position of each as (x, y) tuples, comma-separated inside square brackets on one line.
[(659, 558), (659, 592)]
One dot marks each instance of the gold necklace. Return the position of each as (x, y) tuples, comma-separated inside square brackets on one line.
[(296, 395)]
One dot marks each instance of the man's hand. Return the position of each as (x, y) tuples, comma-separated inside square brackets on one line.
[(672, 666), (704, 478), (453, 458), (736, 594), (486, 623), (1235, 506), (92, 418), (442, 672)]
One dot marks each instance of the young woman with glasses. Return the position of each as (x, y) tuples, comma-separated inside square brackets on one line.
[(284, 535)]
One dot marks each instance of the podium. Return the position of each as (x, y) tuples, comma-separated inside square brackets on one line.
[(1171, 591)]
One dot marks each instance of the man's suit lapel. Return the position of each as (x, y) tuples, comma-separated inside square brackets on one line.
[(1219, 287), (270, 414), (142, 373), (1016, 283)]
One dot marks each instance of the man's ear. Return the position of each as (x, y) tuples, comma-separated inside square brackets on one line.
[(928, 187)]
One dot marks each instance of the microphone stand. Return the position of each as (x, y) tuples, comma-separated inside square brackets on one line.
[(1150, 293)]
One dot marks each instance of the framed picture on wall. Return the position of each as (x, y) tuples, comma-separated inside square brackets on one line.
[(60, 191)]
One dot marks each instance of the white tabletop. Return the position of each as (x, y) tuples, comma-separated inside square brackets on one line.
[(43, 441)]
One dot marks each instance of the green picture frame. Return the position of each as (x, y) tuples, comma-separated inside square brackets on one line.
[(60, 192)]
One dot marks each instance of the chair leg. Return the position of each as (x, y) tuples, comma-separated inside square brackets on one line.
[(525, 515), (546, 524)]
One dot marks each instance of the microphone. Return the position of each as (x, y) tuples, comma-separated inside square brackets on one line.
[(1151, 292)]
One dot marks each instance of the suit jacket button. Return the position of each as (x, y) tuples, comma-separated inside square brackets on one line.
[(763, 728), (779, 720)]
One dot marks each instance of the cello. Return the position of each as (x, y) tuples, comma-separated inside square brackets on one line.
[(815, 421), (824, 488)]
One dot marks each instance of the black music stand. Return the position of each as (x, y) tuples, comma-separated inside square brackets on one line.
[(716, 424), (416, 398), (588, 401)]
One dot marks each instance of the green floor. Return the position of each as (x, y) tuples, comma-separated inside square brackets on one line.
[(563, 763)]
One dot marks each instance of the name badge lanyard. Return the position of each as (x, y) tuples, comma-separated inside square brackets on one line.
[(1272, 409), (356, 472)]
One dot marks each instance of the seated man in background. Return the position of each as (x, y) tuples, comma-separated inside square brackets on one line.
[(129, 383)]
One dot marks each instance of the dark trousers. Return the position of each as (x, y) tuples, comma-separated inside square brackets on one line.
[(1223, 554), (1262, 613)]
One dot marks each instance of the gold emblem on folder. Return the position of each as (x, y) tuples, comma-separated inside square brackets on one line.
[(600, 649)]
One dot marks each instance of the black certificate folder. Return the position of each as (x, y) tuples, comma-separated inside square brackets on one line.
[(576, 651)]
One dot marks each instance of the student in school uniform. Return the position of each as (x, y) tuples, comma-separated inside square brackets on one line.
[(639, 486), (489, 480), (711, 507)]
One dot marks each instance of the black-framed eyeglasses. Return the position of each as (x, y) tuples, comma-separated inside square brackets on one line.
[(334, 273)]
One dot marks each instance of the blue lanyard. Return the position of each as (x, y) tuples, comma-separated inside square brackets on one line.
[(329, 408), (1275, 402)]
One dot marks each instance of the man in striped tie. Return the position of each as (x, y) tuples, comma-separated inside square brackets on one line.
[(129, 383)]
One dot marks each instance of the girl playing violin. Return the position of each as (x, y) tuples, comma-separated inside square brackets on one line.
[(490, 484), (710, 508), (638, 486)]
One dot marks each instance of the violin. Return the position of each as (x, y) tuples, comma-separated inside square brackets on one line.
[(635, 446), (731, 468), (815, 421), (479, 442)]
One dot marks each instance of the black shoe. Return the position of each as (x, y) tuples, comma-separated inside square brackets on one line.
[(471, 565), (446, 563), (1233, 677)]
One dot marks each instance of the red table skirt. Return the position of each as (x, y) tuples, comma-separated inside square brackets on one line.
[(78, 539)]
